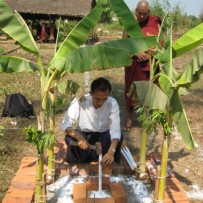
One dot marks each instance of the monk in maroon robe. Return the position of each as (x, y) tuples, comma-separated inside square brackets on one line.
[(140, 68)]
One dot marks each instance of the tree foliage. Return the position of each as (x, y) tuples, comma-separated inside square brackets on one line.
[(181, 21)]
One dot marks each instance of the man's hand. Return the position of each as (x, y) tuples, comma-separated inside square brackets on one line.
[(107, 159), (83, 144), (142, 57)]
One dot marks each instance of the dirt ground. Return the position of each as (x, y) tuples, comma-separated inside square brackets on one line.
[(187, 165)]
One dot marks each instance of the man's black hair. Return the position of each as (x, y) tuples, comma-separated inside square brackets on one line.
[(100, 84)]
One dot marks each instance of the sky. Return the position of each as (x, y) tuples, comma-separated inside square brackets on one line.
[(191, 7)]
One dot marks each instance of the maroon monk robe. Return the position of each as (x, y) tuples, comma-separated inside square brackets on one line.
[(140, 70)]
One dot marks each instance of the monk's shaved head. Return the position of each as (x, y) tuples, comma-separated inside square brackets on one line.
[(142, 5), (142, 11)]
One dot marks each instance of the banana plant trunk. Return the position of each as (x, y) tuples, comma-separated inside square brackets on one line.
[(163, 172), (39, 196), (51, 159), (142, 155)]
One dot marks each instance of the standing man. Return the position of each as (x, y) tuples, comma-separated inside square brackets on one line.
[(140, 68), (97, 120)]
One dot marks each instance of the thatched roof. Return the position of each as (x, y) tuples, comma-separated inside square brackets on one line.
[(74, 8)]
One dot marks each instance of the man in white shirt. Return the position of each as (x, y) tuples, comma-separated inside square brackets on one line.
[(97, 119)]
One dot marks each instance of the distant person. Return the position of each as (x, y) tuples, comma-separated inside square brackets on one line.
[(51, 33), (43, 33), (140, 68), (97, 120)]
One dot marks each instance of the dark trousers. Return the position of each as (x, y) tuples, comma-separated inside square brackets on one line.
[(77, 155)]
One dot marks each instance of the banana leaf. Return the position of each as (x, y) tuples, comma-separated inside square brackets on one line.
[(178, 113), (192, 71), (165, 56), (180, 119), (164, 80), (133, 45), (70, 87), (60, 35), (13, 25), (89, 57), (111, 54), (149, 94), (78, 36), (11, 64), (188, 41), (126, 18)]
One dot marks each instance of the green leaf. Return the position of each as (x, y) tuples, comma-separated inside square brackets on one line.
[(112, 54), (188, 41), (78, 36), (70, 87), (99, 57), (165, 56), (178, 113), (11, 64), (126, 18), (193, 70), (164, 82), (60, 35), (180, 119), (13, 25), (149, 94), (133, 45)]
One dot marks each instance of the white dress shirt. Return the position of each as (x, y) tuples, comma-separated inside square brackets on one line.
[(89, 119)]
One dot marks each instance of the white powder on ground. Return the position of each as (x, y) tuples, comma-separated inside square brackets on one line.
[(196, 193), (99, 194), (62, 190)]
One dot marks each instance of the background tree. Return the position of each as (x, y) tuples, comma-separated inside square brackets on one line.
[(106, 16), (182, 22)]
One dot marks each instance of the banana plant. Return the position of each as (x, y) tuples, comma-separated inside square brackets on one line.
[(170, 86), (41, 141), (70, 57)]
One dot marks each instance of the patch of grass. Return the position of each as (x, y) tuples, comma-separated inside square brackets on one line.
[(12, 149)]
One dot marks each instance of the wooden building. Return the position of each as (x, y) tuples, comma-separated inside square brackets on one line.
[(46, 9)]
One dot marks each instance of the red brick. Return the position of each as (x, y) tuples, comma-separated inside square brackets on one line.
[(23, 182), (173, 185), (107, 170), (18, 193), (174, 191), (79, 193), (175, 197), (118, 169), (27, 165), (93, 168), (29, 160), (92, 183), (16, 200), (83, 169), (118, 192), (27, 171)]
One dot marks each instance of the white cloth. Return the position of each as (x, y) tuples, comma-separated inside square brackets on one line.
[(90, 119)]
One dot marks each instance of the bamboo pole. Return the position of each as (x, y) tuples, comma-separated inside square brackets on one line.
[(51, 159), (163, 172), (39, 179), (142, 155)]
